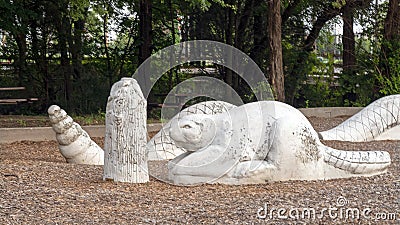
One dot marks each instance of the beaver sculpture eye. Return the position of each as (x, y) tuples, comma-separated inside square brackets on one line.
[(187, 126)]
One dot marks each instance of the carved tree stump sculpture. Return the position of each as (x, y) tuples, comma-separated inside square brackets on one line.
[(125, 157)]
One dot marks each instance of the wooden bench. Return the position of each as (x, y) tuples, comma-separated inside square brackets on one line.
[(15, 101)]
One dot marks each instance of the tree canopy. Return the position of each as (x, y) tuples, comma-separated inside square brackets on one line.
[(314, 53)]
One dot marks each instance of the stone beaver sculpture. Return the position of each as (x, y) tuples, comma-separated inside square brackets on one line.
[(259, 142)]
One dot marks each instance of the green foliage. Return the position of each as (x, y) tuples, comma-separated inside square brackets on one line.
[(205, 5), (41, 40), (78, 8), (91, 119), (21, 123), (356, 89), (338, 3), (390, 85), (15, 14), (320, 89)]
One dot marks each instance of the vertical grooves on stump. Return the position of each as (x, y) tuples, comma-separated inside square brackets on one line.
[(125, 143)]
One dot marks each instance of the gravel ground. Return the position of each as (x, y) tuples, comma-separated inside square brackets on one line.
[(38, 187)]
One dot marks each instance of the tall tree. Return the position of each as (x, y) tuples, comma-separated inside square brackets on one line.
[(392, 21), (323, 12), (145, 29), (391, 39), (348, 39), (40, 54), (259, 48), (105, 18), (276, 77), (145, 33), (63, 28), (229, 36), (15, 17), (349, 50)]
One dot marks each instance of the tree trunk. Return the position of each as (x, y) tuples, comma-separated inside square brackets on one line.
[(64, 35), (392, 21), (229, 14), (243, 23), (22, 52), (44, 64), (276, 77), (298, 74), (391, 38), (76, 59), (145, 28), (172, 19), (106, 50), (76, 51), (349, 51), (259, 51), (39, 54), (348, 39), (145, 33), (241, 33)]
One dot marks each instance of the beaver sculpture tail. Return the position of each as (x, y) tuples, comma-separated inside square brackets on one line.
[(74, 143), (357, 162), (368, 124)]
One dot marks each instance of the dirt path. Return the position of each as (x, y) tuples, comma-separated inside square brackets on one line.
[(38, 187)]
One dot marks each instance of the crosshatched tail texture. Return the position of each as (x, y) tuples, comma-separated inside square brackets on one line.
[(369, 124), (125, 140), (358, 162), (162, 147)]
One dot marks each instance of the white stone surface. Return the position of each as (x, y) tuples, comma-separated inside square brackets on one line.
[(161, 147), (378, 121), (125, 140), (259, 142), (74, 143)]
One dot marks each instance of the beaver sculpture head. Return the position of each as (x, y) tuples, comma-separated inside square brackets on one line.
[(193, 132)]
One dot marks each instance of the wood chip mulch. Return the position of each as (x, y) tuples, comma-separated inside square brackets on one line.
[(37, 186)]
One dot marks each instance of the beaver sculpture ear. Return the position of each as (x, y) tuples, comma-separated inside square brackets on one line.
[(208, 131)]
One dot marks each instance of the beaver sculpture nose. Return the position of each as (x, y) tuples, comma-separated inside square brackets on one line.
[(174, 131)]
